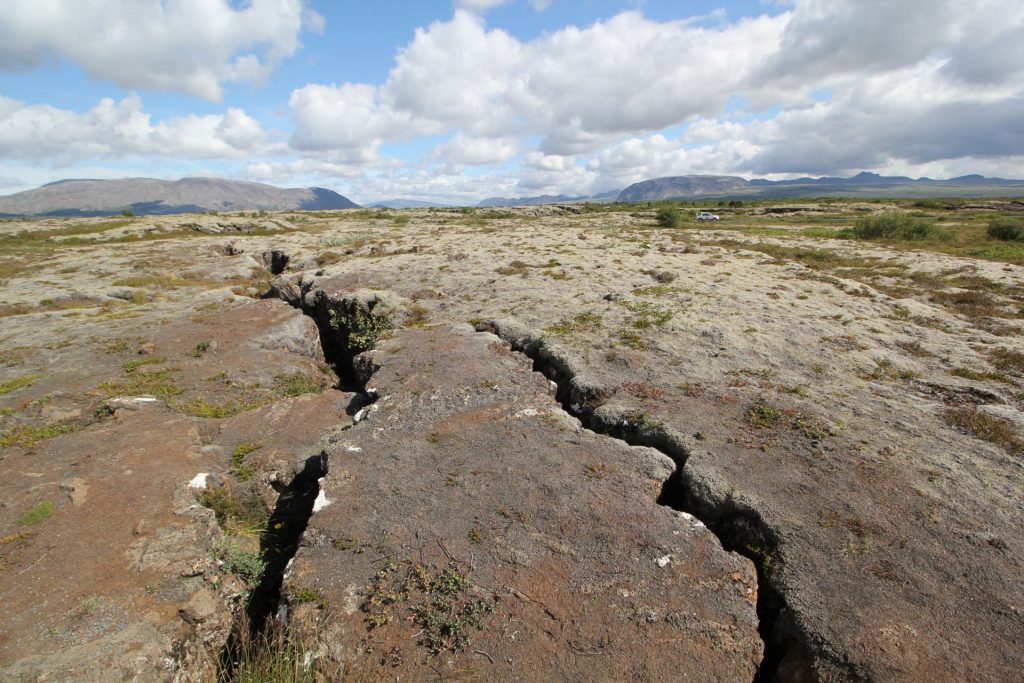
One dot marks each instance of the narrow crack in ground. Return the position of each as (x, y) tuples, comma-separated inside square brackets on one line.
[(738, 528), (263, 624), (787, 655)]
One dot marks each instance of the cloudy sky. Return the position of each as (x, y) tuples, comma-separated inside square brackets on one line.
[(457, 101)]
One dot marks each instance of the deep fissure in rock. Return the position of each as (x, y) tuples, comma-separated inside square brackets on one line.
[(266, 608), (787, 654), (739, 529), (278, 546)]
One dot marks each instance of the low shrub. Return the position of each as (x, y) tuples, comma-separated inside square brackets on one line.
[(669, 217), (895, 226), (1006, 229)]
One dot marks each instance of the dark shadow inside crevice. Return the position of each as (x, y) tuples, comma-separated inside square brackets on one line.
[(278, 546), (787, 655)]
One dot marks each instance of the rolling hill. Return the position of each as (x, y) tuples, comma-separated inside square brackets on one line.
[(151, 196)]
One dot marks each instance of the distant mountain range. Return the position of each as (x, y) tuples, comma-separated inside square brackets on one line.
[(866, 185), (547, 199), (406, 204), (146, 196), (150, 196)]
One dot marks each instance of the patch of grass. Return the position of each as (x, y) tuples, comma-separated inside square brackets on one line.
[(631, 339), (418, 316), (200, 407), (221, 499), (118, 345), (298, 384), (986, 427), (515, 268), (9, 358), (655, 290), (249, 397), (353, 241), (238, 466), (235, 504), (18, 537), (556, 274), (302, 595), (763, 415), (26, 435), (1007, 360), (646, 314), (18, 383), (644, 391), (159, 383), (327, 258), (40, 511), (885, 370), (130, 366), (980, 375), (440, 603), (915, 348), (579, 323), (7, 310), (269, 656), (691, 389), (972, 303)]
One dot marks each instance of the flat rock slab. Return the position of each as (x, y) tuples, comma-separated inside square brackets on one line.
[(108, 561), (123, 548), (469, 527)]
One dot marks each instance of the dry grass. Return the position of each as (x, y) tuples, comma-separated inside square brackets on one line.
[(986, 427)]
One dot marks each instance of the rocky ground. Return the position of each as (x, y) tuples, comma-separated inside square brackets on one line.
[(540, 443)]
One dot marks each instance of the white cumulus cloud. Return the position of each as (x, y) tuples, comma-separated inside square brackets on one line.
[(118, 129), (187, 46)]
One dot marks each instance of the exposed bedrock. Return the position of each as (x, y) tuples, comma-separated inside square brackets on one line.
[(469, 524)]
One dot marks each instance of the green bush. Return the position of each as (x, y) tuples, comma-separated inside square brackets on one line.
[(895, 226), (1006, 229), (669, 217), (365, 328)]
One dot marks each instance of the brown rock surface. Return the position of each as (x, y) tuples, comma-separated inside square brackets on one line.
[(109, 564), (467, 465)]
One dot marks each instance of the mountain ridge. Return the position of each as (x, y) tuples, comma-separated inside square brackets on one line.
[(864, 184), (151, 196)]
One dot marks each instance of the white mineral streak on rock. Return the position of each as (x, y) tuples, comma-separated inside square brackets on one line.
[(321, 498)]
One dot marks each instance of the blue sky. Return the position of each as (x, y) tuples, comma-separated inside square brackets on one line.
[(457, 101)]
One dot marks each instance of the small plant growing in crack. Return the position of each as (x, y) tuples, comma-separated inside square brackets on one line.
[(247, 565), (365, 328), (302, 595), (238, 466)]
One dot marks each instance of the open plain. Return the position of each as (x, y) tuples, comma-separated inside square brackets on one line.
[(553, 442)]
